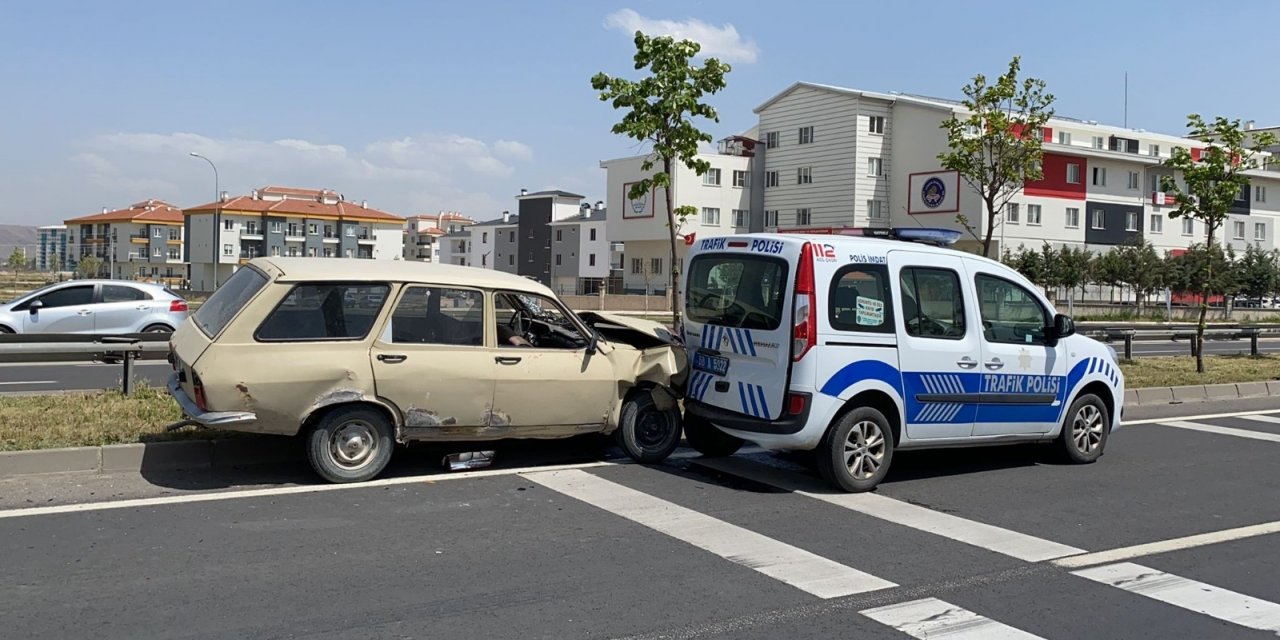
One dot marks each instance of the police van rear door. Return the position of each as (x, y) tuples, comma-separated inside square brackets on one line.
[(738, 321)]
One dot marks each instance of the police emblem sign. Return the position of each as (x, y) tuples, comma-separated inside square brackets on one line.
[(641, 207), (935, 192)]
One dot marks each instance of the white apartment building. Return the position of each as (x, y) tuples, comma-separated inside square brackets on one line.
[(580, 261), (422, 233), (722, 197), (840, 158), (285, 221), (140, 242)]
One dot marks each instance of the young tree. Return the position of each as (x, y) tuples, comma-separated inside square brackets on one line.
[(1108, 269), (1073, 271), (1209, 185), (1142, 270), (1259, 272), (17, 259), (660, 108), (996, 146), (88, 267)]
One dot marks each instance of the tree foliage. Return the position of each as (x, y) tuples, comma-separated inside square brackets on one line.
[(1259, 272), (17, 259), (88, 267), (996, 146), (659, 110)]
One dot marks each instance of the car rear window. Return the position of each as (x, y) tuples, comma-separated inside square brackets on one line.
[(324, 311), (212, 316), (737, 290)]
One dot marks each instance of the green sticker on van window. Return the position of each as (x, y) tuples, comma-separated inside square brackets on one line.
[(870, 312)]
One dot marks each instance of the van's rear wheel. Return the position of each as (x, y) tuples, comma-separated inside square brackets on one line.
[(646, 433), (350, 444), (706, 439), (856, 452)]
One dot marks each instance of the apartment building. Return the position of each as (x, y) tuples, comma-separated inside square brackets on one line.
[(52, 248), (722, 197), (140, 242), (580, 261), (422, 233), (285, 221), (839, 157)]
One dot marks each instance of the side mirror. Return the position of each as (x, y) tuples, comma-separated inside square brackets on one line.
[(35, 306), (594, 344), (1063, 326)]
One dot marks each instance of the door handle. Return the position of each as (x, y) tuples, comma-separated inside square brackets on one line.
[(994, 364), (83, 312), (391, 358), (142, 307), (506, 360), (966, 363)]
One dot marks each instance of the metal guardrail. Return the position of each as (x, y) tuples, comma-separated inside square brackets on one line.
[(126, 349), (1128, 336)]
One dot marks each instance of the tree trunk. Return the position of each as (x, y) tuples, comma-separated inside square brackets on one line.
[(675, 269), (991, 228)]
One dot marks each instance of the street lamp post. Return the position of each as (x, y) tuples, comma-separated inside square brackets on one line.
[(217, 194)]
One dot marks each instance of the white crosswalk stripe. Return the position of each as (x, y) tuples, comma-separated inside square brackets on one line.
[(1225, 431), (1207, 599), (1262, 418), (794, 566), (934, 618)]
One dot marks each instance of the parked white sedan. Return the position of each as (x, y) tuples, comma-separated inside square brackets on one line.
[(95, 306)]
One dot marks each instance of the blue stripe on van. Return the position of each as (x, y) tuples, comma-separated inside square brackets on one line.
[(755, 409), (742, 396), (751, 345), (763, 405)]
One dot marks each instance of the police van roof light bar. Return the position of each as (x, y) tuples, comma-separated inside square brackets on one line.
[(934, 236)]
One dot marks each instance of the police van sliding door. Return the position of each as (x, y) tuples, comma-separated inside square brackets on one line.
[(1023, 378), (938, 348)]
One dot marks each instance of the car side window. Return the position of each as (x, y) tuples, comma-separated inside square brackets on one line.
[(118, 293), (324, 311), (67, 297), (1010, 313), (932, 303), (526, 319), (438, 315), (859, 299)]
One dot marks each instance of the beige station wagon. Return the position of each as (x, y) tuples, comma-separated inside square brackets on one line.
[(357, 355)]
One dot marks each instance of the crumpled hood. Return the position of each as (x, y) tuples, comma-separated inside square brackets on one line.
[(637, 332)]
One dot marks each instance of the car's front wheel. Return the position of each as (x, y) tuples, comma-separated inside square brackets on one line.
[(856, 452), (706, 439), (645, 432), (350, 444), (1085, 430)]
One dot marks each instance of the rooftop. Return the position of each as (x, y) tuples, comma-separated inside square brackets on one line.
[(321, 203), (556, 192), (348, 269), (157, 211)]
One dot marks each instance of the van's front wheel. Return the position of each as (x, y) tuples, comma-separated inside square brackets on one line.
[(646, 433), (856, 452), (350, 444), (706, 439), (1084, 432)]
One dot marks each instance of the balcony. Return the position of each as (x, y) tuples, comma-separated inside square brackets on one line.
[(250, 233), (365, 238), (331, 238), (139, 238)]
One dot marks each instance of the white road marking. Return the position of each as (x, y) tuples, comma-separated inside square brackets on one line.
[(933, 618), (1203, 416), (1237, 608), (31, 382), (801, 569), (1225, 431), (1262, 418), (1165, 546), (978, 534)]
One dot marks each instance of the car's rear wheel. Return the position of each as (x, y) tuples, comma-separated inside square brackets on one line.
[(706, 439), (856, 452), (4, 329), (350, 444), (158, 328), (645, 432), (1085, 430)]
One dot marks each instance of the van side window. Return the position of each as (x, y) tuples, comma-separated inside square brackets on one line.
[(932, 303), (438, 315), (1010, 313), (859, 299), (324, 311)]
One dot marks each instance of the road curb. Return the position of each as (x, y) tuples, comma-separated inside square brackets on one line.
[(222, 453), (1201, 393)]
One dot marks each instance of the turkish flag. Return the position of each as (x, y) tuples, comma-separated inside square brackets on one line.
[(688, 240)]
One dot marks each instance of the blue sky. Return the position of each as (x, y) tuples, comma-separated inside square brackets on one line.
[(423, 106)]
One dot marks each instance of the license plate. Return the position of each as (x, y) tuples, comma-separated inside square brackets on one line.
[(711, 364)]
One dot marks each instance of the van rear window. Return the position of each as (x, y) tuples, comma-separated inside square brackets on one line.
[(212, 316), (737, 290)]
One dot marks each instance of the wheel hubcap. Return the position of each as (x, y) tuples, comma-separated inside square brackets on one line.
[(1087, 428), (864, 450), (652, 429), (353, 444)]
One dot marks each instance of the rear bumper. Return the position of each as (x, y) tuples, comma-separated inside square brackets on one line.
[(207, 418), (786, 425)]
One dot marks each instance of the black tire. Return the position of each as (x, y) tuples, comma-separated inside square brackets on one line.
[(350, 444), (158, 328), (706, 439), (871, 450), (1084, 430), (4, 329), (646, 433)]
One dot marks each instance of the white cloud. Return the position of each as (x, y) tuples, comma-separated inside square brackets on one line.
[(512, 150), (724, 42)]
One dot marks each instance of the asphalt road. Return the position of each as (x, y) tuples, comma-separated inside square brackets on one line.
[(1143, 349), (51, 376), (975, 542)]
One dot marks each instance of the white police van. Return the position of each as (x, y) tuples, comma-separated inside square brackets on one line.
[(856, 346)]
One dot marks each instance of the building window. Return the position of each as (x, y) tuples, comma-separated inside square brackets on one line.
[(531, 232), (328, 252), (1073, 174), (771, 179), (157, 232), (228, 250), (558, 260), (1154, 150), (740, 217), (313, 229), (1131, 221), (276, 226), (511, 260), (1011, 213), (711, 178), (1099, 142), (347, 253), (875, 167), (228, 225), (1099, 219), (1157, 223), (876, 210), (484, 237), (804, 175), (1099, 176), (806, 135), (591, 259), (771, 218), (802, 217), (559, 235), (1188, 226), (771, 140), (1064, 137), (592, 233), (155, 253), (710, 217), (1259, 194), (875, 124), (1135, 181), (251, 228), (1237, 230), (513, 237), (1033, 214), (351, 232), (637, 266), (655, 265), (741, 179), (1259, 231)]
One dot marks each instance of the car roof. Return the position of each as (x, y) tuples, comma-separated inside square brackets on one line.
[(340, 269), (887, 244)]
